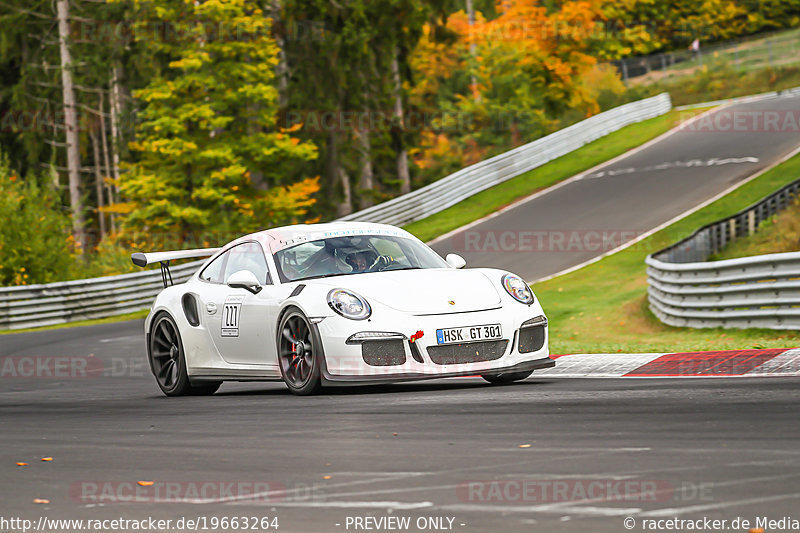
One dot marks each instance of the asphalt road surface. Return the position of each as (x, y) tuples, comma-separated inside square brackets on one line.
[(545, 454), (628, 197)]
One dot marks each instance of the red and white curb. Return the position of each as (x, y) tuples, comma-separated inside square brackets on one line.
[(730, 363)]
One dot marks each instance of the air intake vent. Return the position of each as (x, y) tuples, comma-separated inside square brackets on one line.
[(473, 352), (531, 339), (190, 309), (383, 353), (415, 352)]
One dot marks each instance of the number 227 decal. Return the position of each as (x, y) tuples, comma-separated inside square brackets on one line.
[(230, 316)]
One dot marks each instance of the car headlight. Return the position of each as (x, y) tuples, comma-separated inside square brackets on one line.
[(349, 304), (518, 289)]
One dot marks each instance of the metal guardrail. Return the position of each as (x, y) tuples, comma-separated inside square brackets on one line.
[(58, 303), (31, 306), (685, 290), (471, 180)]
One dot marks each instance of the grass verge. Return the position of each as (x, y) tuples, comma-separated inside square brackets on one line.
[(566, 166), (603, 308), (753, 53), (720, 82)]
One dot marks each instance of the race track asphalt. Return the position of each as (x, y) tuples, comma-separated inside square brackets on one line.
[(644, 448), (630, 196), (547, 454)]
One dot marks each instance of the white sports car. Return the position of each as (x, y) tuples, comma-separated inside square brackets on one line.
[(338, 303)]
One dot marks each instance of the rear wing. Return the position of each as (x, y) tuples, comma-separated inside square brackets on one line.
[(163, 258)]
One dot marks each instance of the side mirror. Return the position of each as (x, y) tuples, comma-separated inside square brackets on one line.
[(455, 261), (244, 279)]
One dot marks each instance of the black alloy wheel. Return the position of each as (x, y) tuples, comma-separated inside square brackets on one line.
[(299, 354), (168, 362)]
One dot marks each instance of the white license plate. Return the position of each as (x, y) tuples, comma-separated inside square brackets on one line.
[(469, 334)]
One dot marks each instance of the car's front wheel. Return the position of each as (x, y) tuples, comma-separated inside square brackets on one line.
[(299, 353), (508, 377), (168, 361)]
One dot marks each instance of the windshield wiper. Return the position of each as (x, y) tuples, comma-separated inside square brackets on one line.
[(333, 274), (318, 276), (401, 268)]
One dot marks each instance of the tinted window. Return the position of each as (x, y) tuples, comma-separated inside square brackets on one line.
[(248, 256), (213, 272)]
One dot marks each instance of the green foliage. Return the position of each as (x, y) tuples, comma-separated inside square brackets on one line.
[(35, 240), (640, 27), (341, 55), (209, 153)]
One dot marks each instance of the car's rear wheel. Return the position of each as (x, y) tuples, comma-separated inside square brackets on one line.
[(299, 353), (168, 361), (508, 377)]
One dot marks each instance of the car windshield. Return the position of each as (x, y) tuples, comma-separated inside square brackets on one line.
[(360, 254)]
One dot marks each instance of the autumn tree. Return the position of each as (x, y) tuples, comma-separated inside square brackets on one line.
[(209, 153), (352, 59), (529, 65)]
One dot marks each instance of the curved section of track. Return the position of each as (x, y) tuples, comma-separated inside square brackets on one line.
[(582, 218)]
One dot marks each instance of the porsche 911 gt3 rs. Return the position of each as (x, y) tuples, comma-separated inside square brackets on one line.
[(339, 303)]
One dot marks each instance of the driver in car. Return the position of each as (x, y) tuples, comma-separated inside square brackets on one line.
[(359, 261)]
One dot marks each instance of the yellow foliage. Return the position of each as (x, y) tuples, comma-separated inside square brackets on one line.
[(121, 208)]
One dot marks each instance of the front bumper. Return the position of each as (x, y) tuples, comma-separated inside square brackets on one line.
[(345, 362)]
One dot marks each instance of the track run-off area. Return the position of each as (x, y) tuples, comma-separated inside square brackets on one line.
[(637, 444)]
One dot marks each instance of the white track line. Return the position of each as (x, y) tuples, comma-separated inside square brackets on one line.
[(576, 177), (543, 508), (248, 498), (712, 506), (403, 506), (676, 218)]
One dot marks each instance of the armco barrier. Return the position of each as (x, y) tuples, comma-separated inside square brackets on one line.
[(70, 301), (31, 306), (763, 291), (471, 180)]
